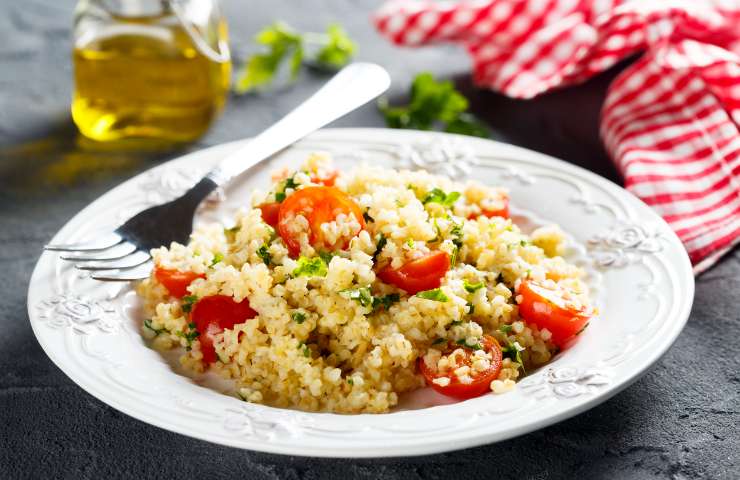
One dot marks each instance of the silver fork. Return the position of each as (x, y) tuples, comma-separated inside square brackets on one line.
[(123, 254)]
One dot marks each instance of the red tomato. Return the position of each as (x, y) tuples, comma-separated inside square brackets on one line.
[(175, 281), (501, 211), (481, 381), (424, 273), (547, 308), (270, 213), (319, 205), (212, 315), (328, 179)]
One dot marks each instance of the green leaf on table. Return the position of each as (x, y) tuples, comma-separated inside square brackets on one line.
[(281, 43), (284, 45), (339, 48), (433, 104)]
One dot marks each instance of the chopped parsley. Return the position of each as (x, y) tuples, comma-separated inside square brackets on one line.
[(367, 217), (410, 243), (523, 243), (148, 324), (513, 351), (433, 103), (310, 267), (187, 302), (304, 349), (439, 196), (282, 44), (457, 240), (264, 254), (438, 341), (361, 295), (464, 343), (379, 245), (217, 258), (298, 317), (437, 295), (385, 302), (471, 308), (350, 381), (326, 256), (505, 329), (456, 322), (279, 197), (472, 287), (189, 336)]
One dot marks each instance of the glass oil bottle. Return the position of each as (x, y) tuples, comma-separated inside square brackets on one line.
[(149, 68)]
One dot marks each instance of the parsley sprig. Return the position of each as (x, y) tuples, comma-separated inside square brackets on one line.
[(433, 104), (310, 267), (282, 44)]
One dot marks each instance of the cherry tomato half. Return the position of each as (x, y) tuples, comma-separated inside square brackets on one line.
[(421, 274), (319, 205), (270, 212), (502, 209), (546, 308), (212, 315), (481, 381), (327, 179), (175, 281)]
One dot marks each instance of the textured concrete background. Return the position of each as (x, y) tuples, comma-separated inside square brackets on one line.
[(679, 421)]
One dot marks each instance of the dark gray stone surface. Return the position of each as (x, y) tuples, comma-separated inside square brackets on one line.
[(679, 421)]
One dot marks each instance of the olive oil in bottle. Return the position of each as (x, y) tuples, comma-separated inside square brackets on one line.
[(146, 76)]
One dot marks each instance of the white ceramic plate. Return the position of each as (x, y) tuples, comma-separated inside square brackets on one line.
[(639, 272)]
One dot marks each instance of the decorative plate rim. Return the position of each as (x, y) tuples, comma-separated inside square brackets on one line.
[(682, 279)]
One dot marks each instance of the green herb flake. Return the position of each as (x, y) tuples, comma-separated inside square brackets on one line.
[(350, 381), (436, 294), (512, 352), (456, 322), (298, 317), (310, 267), (472, 287), (326, 257), (367, 217), (189, 336), (471, 308), (438, 341), (304, 349), (264, 254), (379, 245), (439, 196), (410, 243), (505, 329), (217, 258), (361, 295), (464, 342), (385, 302), (279, 197), (188, 301), (148, 325)]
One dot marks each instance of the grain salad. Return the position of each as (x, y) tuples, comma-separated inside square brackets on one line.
[(339, 291)]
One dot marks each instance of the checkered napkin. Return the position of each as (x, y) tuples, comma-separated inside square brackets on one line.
[(670, 120)]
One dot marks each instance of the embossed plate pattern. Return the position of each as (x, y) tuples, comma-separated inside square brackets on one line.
[(640, 274)]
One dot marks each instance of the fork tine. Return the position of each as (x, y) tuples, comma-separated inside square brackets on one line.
[(123, 251), (111, 240), (123, 277), (134, 261)]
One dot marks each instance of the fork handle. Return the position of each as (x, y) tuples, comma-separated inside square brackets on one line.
[(354, 85)]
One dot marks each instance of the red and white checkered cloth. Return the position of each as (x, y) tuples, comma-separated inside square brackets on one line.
[(670, 120)]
